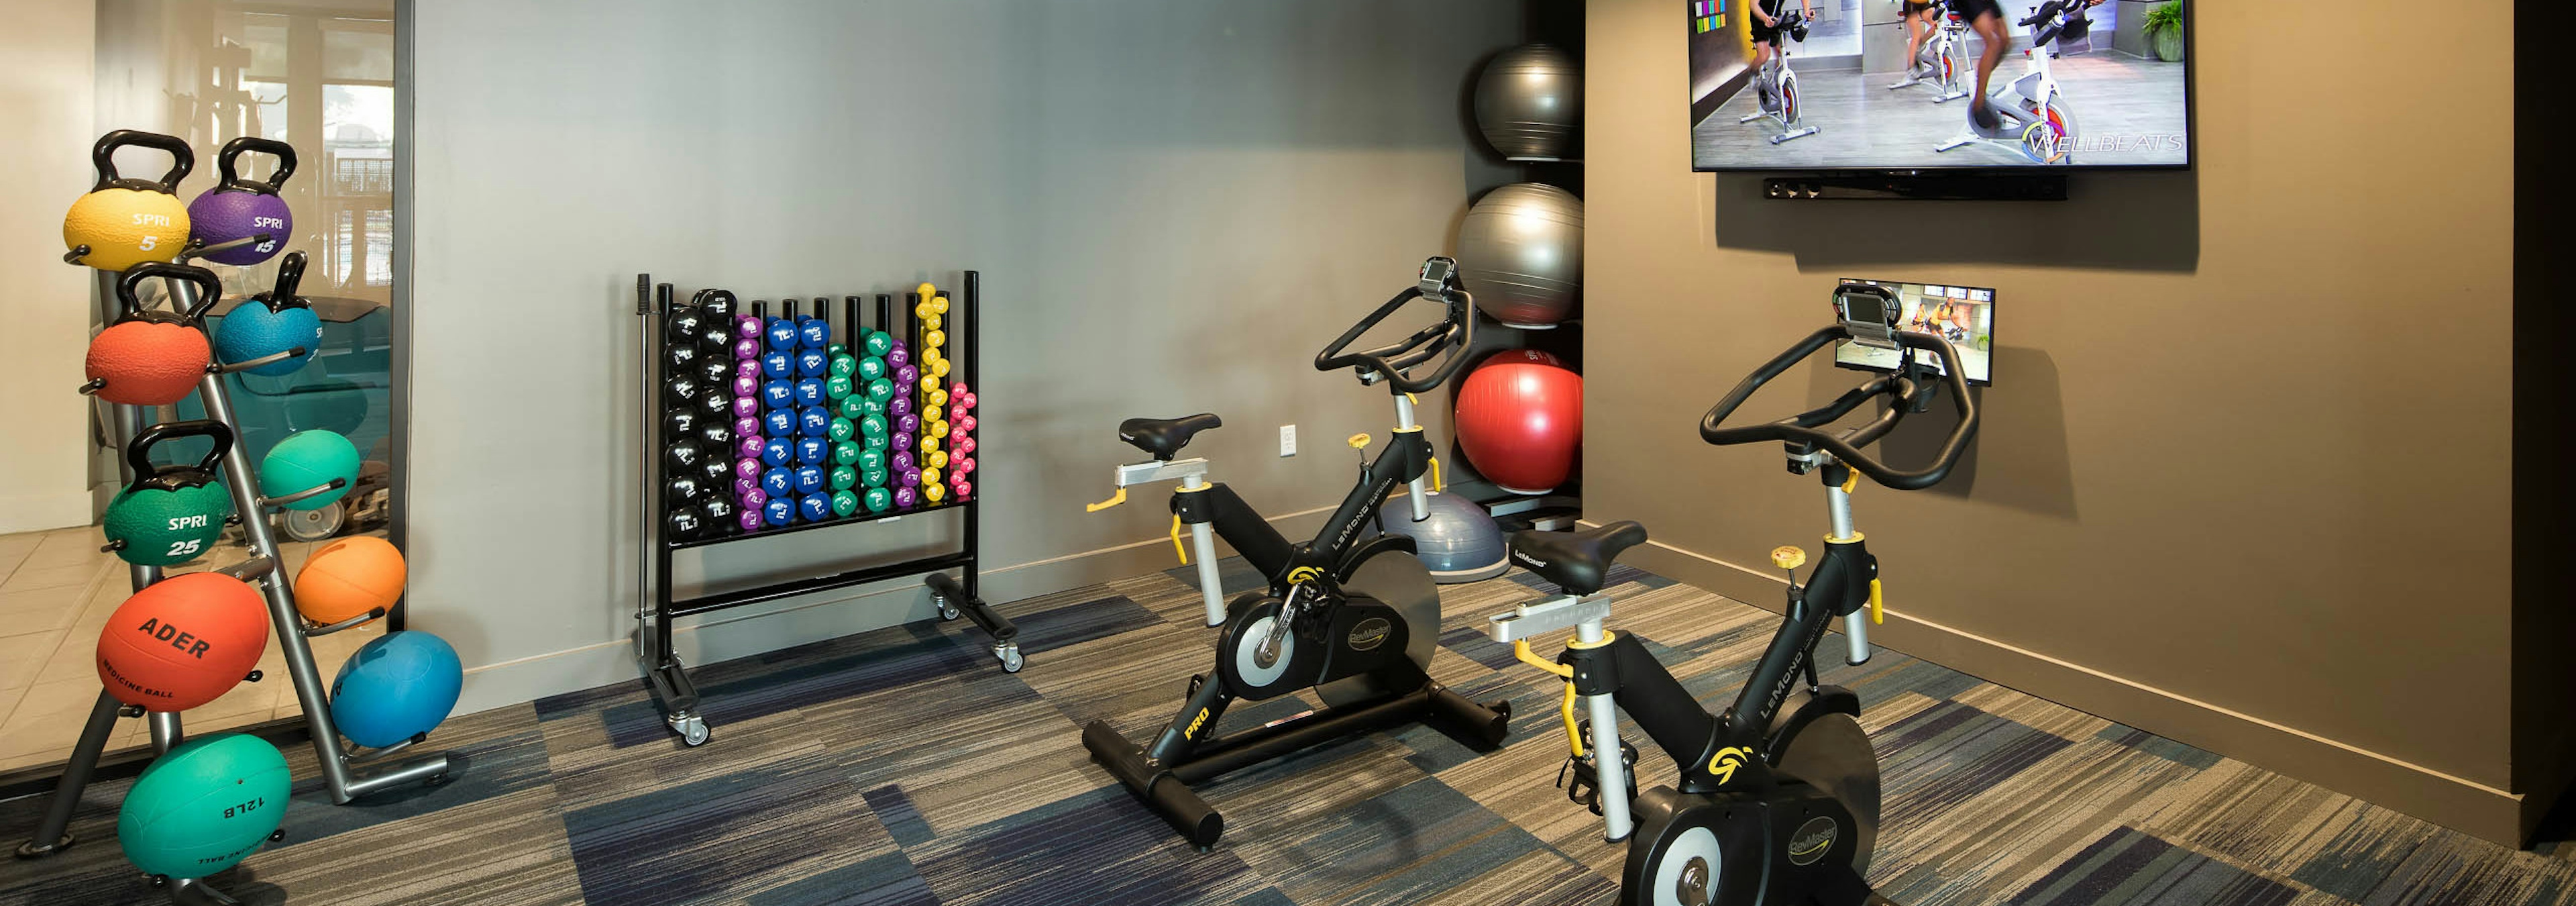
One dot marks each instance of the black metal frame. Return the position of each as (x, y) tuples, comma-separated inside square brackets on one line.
[(664, 673)]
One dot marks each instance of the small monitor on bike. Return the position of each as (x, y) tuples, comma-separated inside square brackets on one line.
[(1873, 310)]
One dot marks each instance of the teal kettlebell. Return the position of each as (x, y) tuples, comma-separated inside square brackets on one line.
[(170, 513)]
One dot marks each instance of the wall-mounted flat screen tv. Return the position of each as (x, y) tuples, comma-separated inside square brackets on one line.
[(1890, 86)]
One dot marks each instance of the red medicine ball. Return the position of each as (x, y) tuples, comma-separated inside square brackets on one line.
[(1520, 419), (182, 642)]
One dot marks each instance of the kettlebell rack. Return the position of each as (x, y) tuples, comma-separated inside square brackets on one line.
[(340, 766), (915, 417)]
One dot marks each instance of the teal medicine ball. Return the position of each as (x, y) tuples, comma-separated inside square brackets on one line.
[(255, 331), (308, 459), (395, 688), (208, 803)]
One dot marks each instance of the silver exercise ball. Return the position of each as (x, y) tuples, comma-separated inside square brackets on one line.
[(1459, 543), (1529, 100), (1520, 253)]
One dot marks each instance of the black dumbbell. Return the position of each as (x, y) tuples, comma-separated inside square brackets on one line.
[(715, 472), (683, 456), (715, 404), (680, 358), (684, 524), (720, 515), (715, 371), (683, 489), (715, 435), (679, 423), (683, 326), (680, 389)]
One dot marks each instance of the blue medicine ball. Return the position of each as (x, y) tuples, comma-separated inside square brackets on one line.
[(395, 688), (252, 331)]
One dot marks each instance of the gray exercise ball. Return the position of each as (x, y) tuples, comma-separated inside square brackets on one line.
[(1528, 101), (1459, 543), (1520, 253)]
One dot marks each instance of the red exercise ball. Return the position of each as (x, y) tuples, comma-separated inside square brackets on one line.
[(182, 642), (1520, 419)]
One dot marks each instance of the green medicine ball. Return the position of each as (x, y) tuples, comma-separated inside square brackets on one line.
[(871, 368), (207, 804), (844, 503), (881, 390), (841, 430), (876, 344), (877, 500), (166, 526), (845, 453), (306, 460), (844, 478), (844, 365)]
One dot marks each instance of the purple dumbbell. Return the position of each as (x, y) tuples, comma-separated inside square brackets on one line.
[(750, 519), (898, 357), (908, 378), (746, 407), (743, 488), (746, 348), (746, 386), (900, 405), (907, 477), (748, 446), (905, 496), (749, 326), (747, 368), (907, 425), (901, 461), (745, 427), (748, 467)]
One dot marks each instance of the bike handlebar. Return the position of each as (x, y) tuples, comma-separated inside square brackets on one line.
[(1454, 334), (1804, 427)]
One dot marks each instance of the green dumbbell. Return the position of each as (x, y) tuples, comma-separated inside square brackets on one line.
[(878, 500), (844, 503), (845, 453), (844, 478), (841, 429), (837, 387)]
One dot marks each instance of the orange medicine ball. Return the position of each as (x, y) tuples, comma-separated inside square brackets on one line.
[(349, 577), (182, 642)]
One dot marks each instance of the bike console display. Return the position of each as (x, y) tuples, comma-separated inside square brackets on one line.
[(1874, 311), (1909, 386)]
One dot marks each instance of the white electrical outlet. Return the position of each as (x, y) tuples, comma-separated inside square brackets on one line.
[(1287, 440)]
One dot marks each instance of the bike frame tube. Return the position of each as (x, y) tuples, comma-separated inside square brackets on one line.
[(1360, 508), (1404, 424)]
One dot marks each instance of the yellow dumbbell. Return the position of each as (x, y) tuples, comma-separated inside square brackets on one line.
[(929, 382), (933, 492), (935, 338), (939, 428), (930, 477), (930, 323), (928, 445), (939, 368), (939, 459), (938, 303), (938, 397)]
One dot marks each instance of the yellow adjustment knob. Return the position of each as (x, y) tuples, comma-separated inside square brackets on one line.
[(1877, 604), (1176, 540), (1851, 482), (1359, 441), (1113, 501), (1788, 556)]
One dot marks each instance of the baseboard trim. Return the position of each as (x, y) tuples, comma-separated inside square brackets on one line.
[(725, 635), (41, 512), (2455, 802)]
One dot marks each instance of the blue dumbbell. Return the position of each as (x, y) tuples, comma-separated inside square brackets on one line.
[(814, 421), (812, 363), (815, 507), (809, 479), (779, 423), (809, 392), (777, 452), (777, 365), (782, 335), (778, 512), (777, 395), (814, 333), (812, 450), (777, 483)]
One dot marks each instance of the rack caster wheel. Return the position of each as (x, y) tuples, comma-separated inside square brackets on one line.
[(947, 611), (692, 729), (437, 780), (1009, 653), (276, 835)]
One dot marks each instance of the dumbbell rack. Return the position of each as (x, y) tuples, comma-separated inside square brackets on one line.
[(674, 694), (339, 765)]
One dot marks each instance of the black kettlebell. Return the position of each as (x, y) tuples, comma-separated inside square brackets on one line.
[(679, 423), (169, 514)]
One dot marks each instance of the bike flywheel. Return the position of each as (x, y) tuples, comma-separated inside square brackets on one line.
[(1833, 754)]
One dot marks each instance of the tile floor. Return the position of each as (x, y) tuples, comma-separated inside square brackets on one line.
[(56, 592)]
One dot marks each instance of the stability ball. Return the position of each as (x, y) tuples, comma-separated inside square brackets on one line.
[(203, 806), (1459, 542), (396, 687), (1528, 101), (349, 577), (1520, 420), (182, 642), (1520, 253)]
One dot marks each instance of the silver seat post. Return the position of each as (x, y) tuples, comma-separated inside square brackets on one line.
[(1607, 761), (1203, 543)]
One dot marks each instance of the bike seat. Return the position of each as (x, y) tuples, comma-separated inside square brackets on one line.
[(1575, 561), (1164, 437)]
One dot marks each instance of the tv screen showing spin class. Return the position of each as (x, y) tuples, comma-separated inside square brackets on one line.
[(1964, 315), (1888, 85)]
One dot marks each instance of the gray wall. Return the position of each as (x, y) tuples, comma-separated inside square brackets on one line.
[(1173, 205), (46, 93)]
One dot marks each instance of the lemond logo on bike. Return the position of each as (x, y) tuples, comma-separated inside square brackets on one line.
[(1369, 633)]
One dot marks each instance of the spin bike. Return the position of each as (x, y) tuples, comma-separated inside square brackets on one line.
[(2030, 113), (1355, 618), (1776, 87), (1778, 799), (1943, 54)]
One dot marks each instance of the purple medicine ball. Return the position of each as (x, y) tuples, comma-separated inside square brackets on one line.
[(223, 215)]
